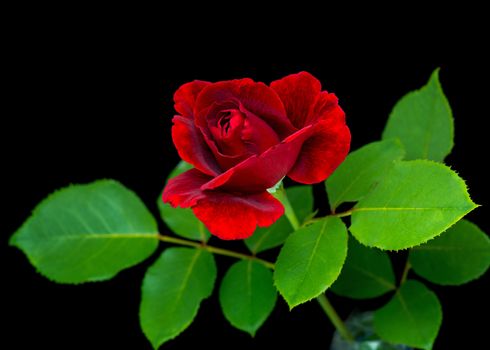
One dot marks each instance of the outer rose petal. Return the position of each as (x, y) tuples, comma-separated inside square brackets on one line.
[(226, 215), (322, 153), (326, 107), (258, 173), (232, 216), (184, 190), (298, 93), (257, 98), (185, 97), (191, 146)]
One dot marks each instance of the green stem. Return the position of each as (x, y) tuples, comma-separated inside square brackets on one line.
[(322, 299), (334, 317), (215, 250), (343, 214), (406, 269), (338, 215), (288, 208)]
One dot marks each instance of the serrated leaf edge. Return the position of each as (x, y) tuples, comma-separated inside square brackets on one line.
[(14, 240), (467, 196), (195, 312), (474, 278), (433, 79), (293, 305)]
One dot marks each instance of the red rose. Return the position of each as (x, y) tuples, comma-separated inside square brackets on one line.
[(242, 138)]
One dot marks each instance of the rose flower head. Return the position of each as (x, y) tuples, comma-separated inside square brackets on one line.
[(243, 137)]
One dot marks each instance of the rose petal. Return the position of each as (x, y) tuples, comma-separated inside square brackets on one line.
[(184, 189), (257, 135), (191, 146), (225, 162), (258, 98), (227, 215), (298, 93), (231, 216), (258, 173), (326, 107), (227, 133), (323, 152), (185, 97)]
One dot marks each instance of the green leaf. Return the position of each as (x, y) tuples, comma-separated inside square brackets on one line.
[(412, 317), (247, 295), (301, 199), (423, 122), (269, 237), (172, 291), (415, 202), (311, 260), (367, 273), (182, 221), (88, 233), (361, 170), (458, 256)]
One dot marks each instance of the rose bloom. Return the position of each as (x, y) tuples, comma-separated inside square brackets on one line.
[(242, 138)]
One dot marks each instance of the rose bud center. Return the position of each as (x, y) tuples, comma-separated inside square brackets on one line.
[(241, 134), (230, 121)]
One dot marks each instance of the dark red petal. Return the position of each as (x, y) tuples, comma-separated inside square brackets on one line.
[(227, 133), (185, 97), (228, 216), (257, 135), (184, 190), (322, 153), (258, 173), (191, 146), (298, 93), (231, 216), (225, 162), (257, 98), (326, 107)]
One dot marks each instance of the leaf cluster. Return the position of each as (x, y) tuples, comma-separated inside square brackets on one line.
[(402, 197)]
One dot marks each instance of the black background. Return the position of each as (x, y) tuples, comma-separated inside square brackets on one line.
[(89, 114)]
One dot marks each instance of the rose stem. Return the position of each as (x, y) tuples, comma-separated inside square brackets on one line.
[(215, 250), (322, 298), (288, 209), (334, 317)]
